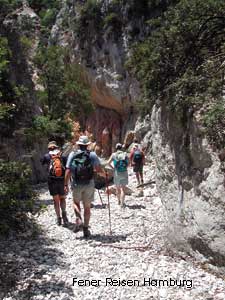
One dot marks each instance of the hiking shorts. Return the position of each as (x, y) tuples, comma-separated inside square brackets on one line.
[(138, 168), (120, 178), (84, 192), (56, 187)]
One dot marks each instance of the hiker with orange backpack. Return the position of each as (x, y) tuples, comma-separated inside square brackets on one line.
[(56, 164)]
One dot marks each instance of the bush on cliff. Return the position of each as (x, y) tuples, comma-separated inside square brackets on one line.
[(65, 86), (16, 195), (182, 60)]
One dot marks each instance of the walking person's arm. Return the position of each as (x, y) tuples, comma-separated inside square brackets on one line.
[(131, 158), (68, 172), (66, 180), (97, 165), (109, 162)]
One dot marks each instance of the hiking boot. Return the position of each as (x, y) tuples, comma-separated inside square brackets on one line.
[(65, 219), (86, 232), (59, 221), (78, 225)]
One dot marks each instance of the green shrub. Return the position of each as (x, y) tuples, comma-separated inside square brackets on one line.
[(214, 121), (62, 79), (4, 55), (43, 126), (26, 43), (6, 112), (114, 20), (181, 62), (7, 6), (16, 194), (48, 17), (90, 17)]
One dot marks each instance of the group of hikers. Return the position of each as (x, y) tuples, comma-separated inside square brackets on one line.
[(77, 171)]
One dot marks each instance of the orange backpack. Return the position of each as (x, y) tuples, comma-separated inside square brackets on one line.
[(56, 168)]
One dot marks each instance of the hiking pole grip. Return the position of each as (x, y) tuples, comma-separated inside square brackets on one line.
[(107, 190)]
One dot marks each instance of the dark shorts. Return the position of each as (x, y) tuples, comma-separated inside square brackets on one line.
[(56, 187), (138, 168)]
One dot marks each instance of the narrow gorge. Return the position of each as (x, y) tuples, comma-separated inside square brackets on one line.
[(119, 71)]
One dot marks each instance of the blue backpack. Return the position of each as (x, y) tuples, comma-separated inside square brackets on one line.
[(82, 168), (120, 161), (137, 158)]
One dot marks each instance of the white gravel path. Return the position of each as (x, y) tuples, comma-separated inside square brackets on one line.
[(124, 265)]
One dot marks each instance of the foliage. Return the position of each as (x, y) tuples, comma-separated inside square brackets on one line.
[(113, 19), (7, 6), (6, 112), (64, 82), (181, 62), (26, 43), (43, 126), (214, 121), (46, 9), (4, 55), (16, 194), (90, 17), (7, 92)]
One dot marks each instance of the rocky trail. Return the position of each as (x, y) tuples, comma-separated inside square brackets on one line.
[(133, 262)]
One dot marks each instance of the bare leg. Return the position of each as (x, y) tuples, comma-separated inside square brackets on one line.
[(123, 187), (56, 199), (77, 210), (87, 213), (63, 209), (62, 203), (137, 177), (141, 175), (118, 193)]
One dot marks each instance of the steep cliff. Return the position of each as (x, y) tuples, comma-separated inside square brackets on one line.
[(191, 185), (21, 30), (99, 35)]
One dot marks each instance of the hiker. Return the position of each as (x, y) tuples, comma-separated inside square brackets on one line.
[(81, 164), (120, 163), (56, 165), (137, 161)]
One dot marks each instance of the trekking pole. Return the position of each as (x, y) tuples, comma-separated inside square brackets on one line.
[(107, 190), (101, 198)]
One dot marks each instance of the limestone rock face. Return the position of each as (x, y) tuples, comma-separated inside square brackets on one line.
[(103, 50), (106, 128), (191, 185), (21, 28)]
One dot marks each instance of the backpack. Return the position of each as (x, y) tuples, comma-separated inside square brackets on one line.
[(137, 158), (56, 167), (120, 161), (82, 168)]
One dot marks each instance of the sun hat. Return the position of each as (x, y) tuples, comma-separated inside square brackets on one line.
[(83, 140), (52, 144)]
